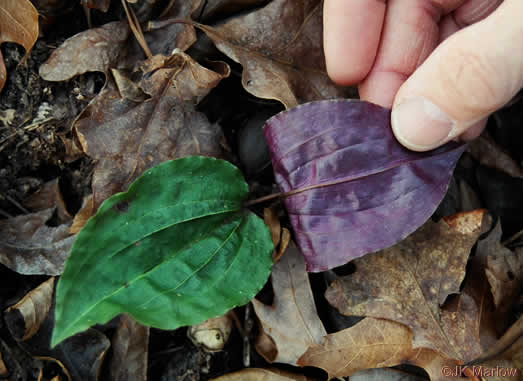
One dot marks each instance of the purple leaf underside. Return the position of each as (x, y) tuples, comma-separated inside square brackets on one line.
[(373, 192)]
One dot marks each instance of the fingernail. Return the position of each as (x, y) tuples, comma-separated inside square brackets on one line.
[(421, 125)]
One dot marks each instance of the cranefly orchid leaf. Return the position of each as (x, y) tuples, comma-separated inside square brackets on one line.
[(357, 189), (175, 249)]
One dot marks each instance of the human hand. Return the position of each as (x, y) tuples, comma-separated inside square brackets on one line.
[(443, 65)]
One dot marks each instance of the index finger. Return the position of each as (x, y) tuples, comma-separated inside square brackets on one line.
[(351, 35)]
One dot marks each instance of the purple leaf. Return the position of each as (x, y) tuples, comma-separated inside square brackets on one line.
[(368, 191)]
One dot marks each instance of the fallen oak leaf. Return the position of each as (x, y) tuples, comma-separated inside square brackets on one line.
[(128, 137), (28, 246), (409, 283), (292, 322), (18, 23), (280, 49), (350, 188), (371, 343)]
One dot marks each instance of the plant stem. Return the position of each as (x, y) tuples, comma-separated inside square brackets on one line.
[(290, 193)]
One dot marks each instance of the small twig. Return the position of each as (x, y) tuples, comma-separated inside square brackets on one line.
[(136, 28), (35, 125), (246, 342)]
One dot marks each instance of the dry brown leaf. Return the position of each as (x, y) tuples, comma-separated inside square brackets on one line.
[(280, 49), (377, 343), (73, 151), (126, 137), (257, 374), (25, 317), (503, 268), (372, 343), (292, 322), (49, 196), (273, 222), (409, 282), (130, 350), (28, 246), (163, 37), (489, 153), (83, 215), (96, 49), (280, 236), (18, 23)]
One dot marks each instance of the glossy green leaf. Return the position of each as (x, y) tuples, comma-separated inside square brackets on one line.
[(176, 249)]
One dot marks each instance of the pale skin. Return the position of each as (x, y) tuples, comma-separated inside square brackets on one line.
[(442, 65)]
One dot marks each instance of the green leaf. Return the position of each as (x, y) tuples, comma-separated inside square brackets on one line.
[(176, 249)]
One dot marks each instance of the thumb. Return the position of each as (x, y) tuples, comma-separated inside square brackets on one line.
[(471, 74)]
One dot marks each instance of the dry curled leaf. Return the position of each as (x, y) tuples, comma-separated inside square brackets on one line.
[(25, 317), (130, 347), (280, 49), (212, 334), (127, 137), (18, 23), (410, 282), (28, 246), (291, 323), (96, 49)]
